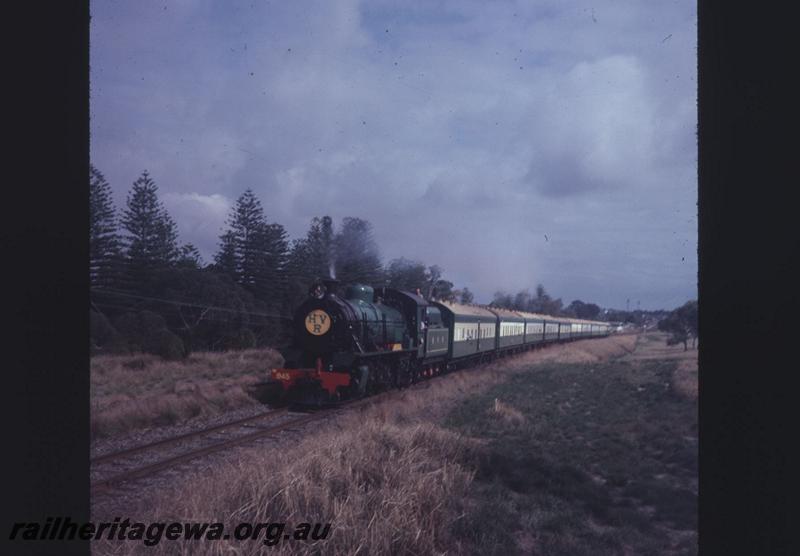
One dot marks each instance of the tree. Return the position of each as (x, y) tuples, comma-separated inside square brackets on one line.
[(502, 299), (270, 270), (190, 256), (151, 240), (309, 259), (581, 310), (104, 240), (225, 259), (437, 287), (356, 255), (246, 222), (522, 300), (466, 295), (253, 251), (443, 290), (682, 324), (544, 304), (299, 275), (408, 275), (320, 246), (689, 314)]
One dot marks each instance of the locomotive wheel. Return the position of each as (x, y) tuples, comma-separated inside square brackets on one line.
[(404, 376)]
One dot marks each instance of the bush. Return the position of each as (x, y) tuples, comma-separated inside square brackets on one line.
[(128, 325), (247, 339), (100, 330), (103, 337), (274, 333), (146, 331), (188, 341), (238, 339), (166, 345)]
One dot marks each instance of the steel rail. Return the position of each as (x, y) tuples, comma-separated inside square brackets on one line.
[(104, 485), (174, 439)]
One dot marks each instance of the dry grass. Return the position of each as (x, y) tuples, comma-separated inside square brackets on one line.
[(653, 346), (386, 488), (140, 391), (590, 351), (684, 378), (388, 479), (508, 413)]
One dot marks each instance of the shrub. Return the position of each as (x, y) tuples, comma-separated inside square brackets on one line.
[(128, 325), (146, 331), (247, 340), (188, 341), (100, 330), (166, 345), (103, 337), (238, 339)]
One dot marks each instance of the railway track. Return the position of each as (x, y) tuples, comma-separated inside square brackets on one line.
[(175, 439), (206, 438), (114, 479)]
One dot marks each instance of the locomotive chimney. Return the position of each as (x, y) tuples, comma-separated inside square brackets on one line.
[(331, 284)]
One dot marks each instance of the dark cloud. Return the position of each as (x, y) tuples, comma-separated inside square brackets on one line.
[(562, 174), (464, 131)]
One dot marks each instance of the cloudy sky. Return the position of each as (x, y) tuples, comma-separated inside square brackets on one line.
[(512, 143)]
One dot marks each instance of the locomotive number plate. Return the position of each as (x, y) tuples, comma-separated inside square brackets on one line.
[(282, 376), (318, 322)]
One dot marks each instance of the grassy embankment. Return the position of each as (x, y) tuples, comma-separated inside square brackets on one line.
[(590, 459), (560, 451), (136, 392)]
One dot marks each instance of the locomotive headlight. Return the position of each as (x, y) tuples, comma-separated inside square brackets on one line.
[(318, 322)]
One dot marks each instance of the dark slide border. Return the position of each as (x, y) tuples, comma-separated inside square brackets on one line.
[(45, 252), (748, 286)]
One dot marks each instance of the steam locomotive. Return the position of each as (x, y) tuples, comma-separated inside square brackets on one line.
[(360, 341)]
